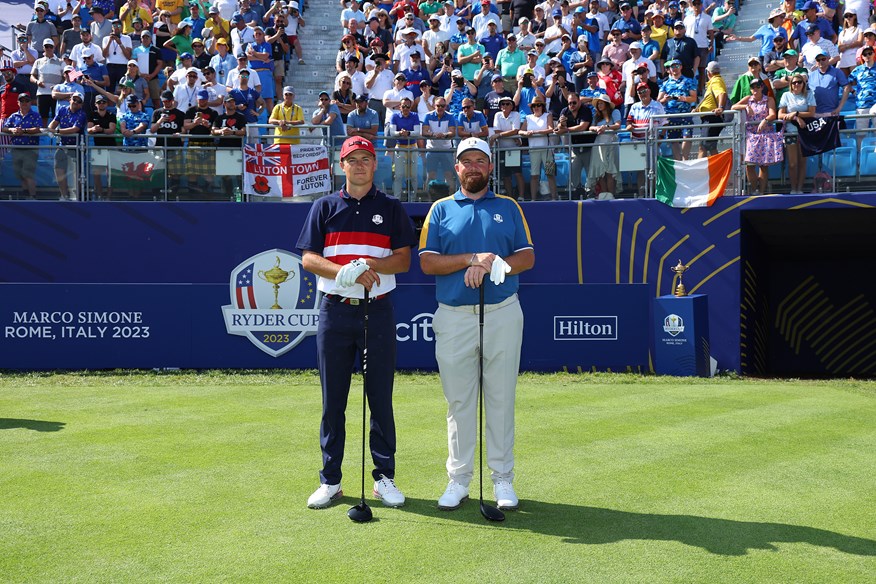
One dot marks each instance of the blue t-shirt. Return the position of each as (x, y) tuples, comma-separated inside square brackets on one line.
[(337, 131), (223, 66), (414, 76), (680, 87), (650, 48), (197, 25), (493, 44), (459, 225), (96, 71), (257, 65), (31, 120), (363, 121), (632, 25), (67, 118), (591, 93), (249, 97), (408, 123), (864, 80), (473, 125), (823, 25), (826, 87), (766, 34)]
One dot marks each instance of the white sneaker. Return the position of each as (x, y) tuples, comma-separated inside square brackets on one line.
[(386, 491), (453, 496), (506, 498), (324, 496)]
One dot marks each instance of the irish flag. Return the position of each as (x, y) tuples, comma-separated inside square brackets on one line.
[(693, 183)]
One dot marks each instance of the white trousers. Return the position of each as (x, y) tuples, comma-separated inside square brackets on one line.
[(456, 349)]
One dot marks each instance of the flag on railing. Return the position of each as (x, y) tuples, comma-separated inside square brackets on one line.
[(820, 135), (693, 183), (286, 170), (135, 169)]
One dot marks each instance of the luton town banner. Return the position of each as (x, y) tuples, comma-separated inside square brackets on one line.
[(286, 170)]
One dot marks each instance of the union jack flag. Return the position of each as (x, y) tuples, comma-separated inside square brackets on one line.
[(264, 155), (245, 295)]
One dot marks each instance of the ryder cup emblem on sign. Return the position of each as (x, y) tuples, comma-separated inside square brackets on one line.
[(673, 325), (273, 302)]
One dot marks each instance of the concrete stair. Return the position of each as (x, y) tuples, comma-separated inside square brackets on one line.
[(319, 40), (734, 57)]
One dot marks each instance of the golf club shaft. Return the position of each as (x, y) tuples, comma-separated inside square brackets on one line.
[(364, 387), (481, 390)]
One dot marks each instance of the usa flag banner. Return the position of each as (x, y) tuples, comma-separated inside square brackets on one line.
[(286, 170)]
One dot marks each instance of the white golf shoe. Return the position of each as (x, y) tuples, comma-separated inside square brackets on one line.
[(386, 491), (324, 496), (453, 496), (506, 498)]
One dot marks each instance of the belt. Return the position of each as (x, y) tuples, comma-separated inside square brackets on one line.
[(353, 301), (473, 308)]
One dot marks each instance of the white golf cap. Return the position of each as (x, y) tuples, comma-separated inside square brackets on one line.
[(473, 144)]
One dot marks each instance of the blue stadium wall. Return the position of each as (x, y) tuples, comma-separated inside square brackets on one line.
[(593, 258)]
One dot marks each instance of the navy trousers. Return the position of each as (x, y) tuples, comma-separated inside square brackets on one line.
[(340, 339)]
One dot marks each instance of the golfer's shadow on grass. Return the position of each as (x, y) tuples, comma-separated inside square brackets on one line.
[(36, 425), (594, 525)]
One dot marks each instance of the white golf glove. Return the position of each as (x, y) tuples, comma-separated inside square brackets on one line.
[(349, 273), (498, 271)]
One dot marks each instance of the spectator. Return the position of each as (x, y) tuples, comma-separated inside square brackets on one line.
[(506, 126), (538, 23), (379, 82), (797, 108), (700, 24), (186, 95), (471, 123), (458, 38), (816, 45), (639, 118), (775, 59), (100, 26), (724, 21), (24, 126), (102, 129), (200, 57), (232, 80), (441, 74), (363, 121), (492, 100), (402, 55), (248, 100), (603, 170), (403, 125), (47, 72), (200, 158), (117, 49), (537, 127), (137, 25), (149, 62), (780, 81), (553, 34), (557, 89), (195, 20), (230, 127), (493, 41), (763, 145), (352, 11), (743, 82), (869, 41), (863, 78), (766, 33), (432, 37), (168, 121), (627, 24), (40, 29), (10, 89), (69, 123), (576, 119), (610, 80), (181, 42), (440, 129), (712, 108), (580, 64), (470, 55), (826, 83), (72, 36), (295, 22), (62, 92), (373, 31), (483, 79), (616, 50), (850, 38), (460, 89), (94, 76), (261, 61), (219, 26), (678, 94), (415, 74), (425, 102), (591, 91), (23, 59), (343, 97), (681, 48), (348, 49), (130, 10), (223, 61), (537, 71), (509, 60), (217, 91), (328, 114), (811, 18), (139, 84), (449, 19), (356, 77), (286, 116), (240, 34)]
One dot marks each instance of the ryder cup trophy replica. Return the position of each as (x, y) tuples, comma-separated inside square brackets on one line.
[(276, 276), (680, 269)]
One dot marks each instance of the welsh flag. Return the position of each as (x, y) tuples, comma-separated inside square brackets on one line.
[(693, 183), (286, 170)]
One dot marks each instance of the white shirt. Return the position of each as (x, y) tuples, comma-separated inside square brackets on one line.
[(503, 124), (439, 127), (227, 8), (185, 96), (382, 84), (116, 55), (432, 38), (811, 50), (348, 13), (358, 82), (448, 24), (179, 76), (698, 28), (218, 90), (233, 79), (557, 44), (395, 95), (536, 124), (239, 37), (403, 55), (629, 68), (76, 54), (480, 24)]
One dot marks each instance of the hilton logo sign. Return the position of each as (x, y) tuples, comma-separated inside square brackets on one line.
[(585, 328)]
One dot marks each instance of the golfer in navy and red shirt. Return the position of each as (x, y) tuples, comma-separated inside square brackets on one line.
[(356, 238)]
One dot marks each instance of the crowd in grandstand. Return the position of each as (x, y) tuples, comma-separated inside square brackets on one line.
[(527, 76)]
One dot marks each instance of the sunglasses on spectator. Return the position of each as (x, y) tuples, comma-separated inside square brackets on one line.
[(345, 83), (466, 107), (643, 90), (537, 105), (76, 100), (796, 83)]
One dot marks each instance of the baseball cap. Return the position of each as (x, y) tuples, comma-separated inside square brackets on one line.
[(869, 31), (167, 94), (678, 24), (235, 18), (222, 41), (48, 43), (362, 97), (643, 86), (186, 56), (213, 10), (87, 53), (790, 53), (624, 5), (713, 67), (78, 94), (532, 54), (203, 94), (22, 38), (116, 22), (809, 6), (95, 10), (456, 73), (24, 97), (197, 41), (356, 143), (812, 28), (229, 98), (672, 62), (431, 17), (753, 59), (636, 45), (401, 76), (557, 12), (592, 74), (289, 89), (66, 68), (133, 99), (506, 98), (580, 10), (470, 144), (133, 62), (98, 98)]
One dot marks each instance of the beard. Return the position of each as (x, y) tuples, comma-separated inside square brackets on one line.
[(474, 183)]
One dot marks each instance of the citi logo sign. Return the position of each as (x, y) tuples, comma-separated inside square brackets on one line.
[(585, 328), (419, 329)]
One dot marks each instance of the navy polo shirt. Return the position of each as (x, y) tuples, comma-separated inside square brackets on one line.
[(459, 225), (342, 229)]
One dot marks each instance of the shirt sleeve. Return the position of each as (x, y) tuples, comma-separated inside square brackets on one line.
[(429, 236), (312, 237)]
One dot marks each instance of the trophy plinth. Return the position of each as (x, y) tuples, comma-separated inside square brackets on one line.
[(679, 270), (276, 276)]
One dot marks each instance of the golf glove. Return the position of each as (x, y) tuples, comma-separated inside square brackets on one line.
[(349, 273), (498, 271)]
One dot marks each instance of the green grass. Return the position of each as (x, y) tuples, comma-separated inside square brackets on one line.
[(143, 477)]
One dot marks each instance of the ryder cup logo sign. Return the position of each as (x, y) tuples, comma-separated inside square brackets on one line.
[(273, 302), (673, 325)]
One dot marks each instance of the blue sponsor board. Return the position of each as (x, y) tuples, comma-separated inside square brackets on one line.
[(100, 326), (681, 335)]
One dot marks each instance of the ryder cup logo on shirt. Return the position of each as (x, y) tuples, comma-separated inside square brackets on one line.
[(377, 219), (273, 302), (673, 325), (497, 218)]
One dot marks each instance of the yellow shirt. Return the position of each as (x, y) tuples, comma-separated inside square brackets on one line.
[(221, 28), (714, 87), (145, 16), (170, 6), (287, 114), (660, 35)]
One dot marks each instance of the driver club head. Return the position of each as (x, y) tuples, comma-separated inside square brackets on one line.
[(361, 513), (490, 513)]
